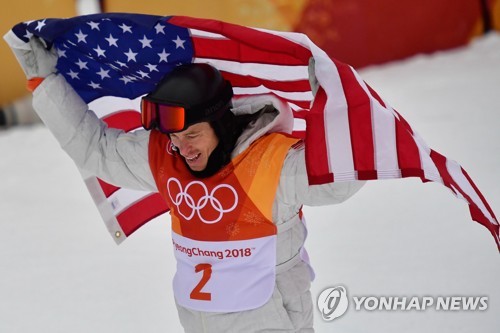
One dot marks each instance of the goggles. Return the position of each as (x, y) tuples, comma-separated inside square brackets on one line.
[(175, 118), (167, 118), (170, 118)]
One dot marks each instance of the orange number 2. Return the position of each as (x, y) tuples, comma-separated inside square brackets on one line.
[(207, 273)]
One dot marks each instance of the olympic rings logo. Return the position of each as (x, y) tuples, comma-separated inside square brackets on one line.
[(196, 206)]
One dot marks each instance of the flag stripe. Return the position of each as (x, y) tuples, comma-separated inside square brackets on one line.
[(493, 219), (252, 37), (466, 188), (126, 120), (408, 153), (384, 129), (430, 169), (337, 129), (240, 52), (141, 212), (296, 97), (124, 198), (360, 124), (262, 71), (384, 132), (106, 105), (450, 172), (107, 188), (247, 81), (316, 161)]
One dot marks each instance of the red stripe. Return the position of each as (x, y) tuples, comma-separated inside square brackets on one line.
[(247, 81), (107, 188), (483, 199), (360, 123), (302, 114), (126, 120), (375, 95), (304, 105), (476, 214), (407, 150), (233, 50), (253, 38), (301, 104), (141, 212), (316, 149), (299, 134)]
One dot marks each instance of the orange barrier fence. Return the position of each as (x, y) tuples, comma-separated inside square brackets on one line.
[(364, 32)]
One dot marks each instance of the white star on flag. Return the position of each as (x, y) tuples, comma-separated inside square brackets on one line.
[(121, 64), (28, 35), (99, 51), (126, 79), (61, 53), (94, 85), (163, 56), (143, 74), (103, 73), (130, 55), (125, 28), (81, 64), (179, 42), (81, 37), (94, 25), (40, 25), (152, 68), (111, 40), (74, 75), (159, 28), (145, 42)]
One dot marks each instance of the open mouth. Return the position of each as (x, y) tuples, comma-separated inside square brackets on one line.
[(193, 159)]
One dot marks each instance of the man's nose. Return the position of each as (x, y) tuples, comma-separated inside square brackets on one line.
[(184, 147)]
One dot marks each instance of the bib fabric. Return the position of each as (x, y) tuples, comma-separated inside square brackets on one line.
[(223, 236)]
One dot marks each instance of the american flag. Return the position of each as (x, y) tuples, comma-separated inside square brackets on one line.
[(350, 133)]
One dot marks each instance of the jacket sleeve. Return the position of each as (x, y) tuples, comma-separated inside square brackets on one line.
[(115, 156), (294, 188)]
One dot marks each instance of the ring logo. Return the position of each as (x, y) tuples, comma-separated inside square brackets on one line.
[(333, 302), (195, 199)]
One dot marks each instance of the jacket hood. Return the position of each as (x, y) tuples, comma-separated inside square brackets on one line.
[(276, 116)]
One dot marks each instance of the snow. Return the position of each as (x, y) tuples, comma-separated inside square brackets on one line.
[(61, 272)]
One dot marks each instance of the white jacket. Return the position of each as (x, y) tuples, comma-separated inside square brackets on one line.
[(122, 159)]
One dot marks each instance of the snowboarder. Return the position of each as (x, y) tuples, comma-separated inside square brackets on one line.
[(234, 179)]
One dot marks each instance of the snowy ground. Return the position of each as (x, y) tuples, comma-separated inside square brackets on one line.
[(61, 272)]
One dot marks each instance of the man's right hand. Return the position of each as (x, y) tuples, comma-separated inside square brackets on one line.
[(37, 61)]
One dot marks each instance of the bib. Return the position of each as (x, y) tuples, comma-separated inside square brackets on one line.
[(223, 236)]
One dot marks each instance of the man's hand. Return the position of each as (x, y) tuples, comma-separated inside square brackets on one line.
[(37, 61)]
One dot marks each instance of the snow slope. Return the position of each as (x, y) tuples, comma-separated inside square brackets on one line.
[(61, 272)]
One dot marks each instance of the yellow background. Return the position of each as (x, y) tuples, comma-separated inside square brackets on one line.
[(272, 14), (12, 83)]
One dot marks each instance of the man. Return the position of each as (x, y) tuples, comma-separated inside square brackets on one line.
[(234, 179)]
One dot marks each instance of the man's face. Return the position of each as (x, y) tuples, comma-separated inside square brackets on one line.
[(195, 144)]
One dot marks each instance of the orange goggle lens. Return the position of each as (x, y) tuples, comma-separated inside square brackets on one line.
[(167, 118), (170, 118), (148, 114)]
